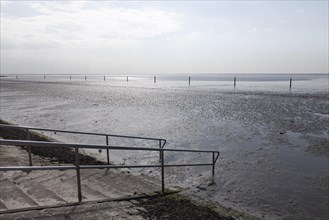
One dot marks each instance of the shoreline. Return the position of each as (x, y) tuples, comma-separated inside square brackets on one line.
[(252, 87)]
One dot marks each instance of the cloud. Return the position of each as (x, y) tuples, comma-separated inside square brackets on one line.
[(300, 11), (258, 29), (53, 6), (194, 35), (4, 3), (73, 24)]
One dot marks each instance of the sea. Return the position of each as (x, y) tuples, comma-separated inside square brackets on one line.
[(272, 82)]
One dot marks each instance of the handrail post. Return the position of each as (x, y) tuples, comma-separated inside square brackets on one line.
[(160, 148), (213, 167), (77, 165), (29, 150), (162, 171), (107, 150)]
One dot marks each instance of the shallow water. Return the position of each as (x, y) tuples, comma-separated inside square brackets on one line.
[(252, 82), (273, 144)]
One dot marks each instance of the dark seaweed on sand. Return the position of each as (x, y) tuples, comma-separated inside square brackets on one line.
[(178, 209)]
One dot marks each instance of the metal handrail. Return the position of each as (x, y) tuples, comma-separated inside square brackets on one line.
[(162, 142), (78, 167), (80, 132)]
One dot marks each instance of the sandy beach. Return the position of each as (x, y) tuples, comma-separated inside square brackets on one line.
[(274, 145)]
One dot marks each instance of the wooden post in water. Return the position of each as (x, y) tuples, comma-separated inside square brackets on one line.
[(85, 78), (104, 78), (234, 82), (70, 77), (155, 79), (16, 77), (127, 78), (44, 76), (290, 84), (189, 81)]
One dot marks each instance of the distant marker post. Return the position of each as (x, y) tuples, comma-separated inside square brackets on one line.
[(290, 84), (234, 82), (189, 80)]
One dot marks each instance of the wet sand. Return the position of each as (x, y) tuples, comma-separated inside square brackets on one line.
[(274, 145)]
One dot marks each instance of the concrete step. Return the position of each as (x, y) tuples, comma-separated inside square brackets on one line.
[(58, 185), (53, 187), (128, 183), (105, 188), (117, 181), (2, 206), (13, 197), (150, 183), (12, 175), (39, 193), (45, 175), (20, 189), (106, 176), (88, 192)]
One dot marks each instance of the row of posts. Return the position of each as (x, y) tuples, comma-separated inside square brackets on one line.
[(155, 80), (189, 81)]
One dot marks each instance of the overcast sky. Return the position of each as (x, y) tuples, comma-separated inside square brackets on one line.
[(164, 37)]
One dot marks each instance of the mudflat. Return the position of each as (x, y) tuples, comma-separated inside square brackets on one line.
[(269, 141)]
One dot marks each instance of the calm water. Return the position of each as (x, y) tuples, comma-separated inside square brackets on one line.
[(274, 82)]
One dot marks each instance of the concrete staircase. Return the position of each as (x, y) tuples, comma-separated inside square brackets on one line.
[(20, 189)]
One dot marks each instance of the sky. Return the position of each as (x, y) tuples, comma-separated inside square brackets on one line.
[(159, 37)]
